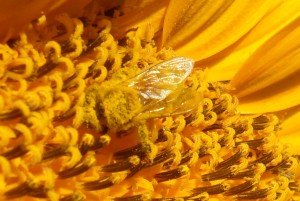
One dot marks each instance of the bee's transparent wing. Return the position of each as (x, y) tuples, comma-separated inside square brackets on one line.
[(161, 86), (182, 102), (158, 81)]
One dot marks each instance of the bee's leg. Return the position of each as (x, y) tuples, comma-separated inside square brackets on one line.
[(87, 113), (148, 147)]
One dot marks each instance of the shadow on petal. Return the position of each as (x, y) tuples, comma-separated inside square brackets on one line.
[(279, 96)]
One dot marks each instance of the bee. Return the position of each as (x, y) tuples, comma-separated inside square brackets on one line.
[(158, 91)]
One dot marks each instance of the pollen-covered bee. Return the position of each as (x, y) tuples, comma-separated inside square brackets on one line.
[(158, 91)]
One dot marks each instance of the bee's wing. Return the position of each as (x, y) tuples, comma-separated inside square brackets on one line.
[(161, 90), (159, 81), (181, 102)]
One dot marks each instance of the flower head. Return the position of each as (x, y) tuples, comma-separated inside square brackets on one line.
[(92, 109)]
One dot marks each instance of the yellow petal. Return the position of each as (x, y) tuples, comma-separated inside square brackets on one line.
[(273, 61), (74, 7), (279, 16), (180, 14), (147, 20), (16, 14), (290, 131), (279, 96), (130, 6), (228, 64), (207, 27)]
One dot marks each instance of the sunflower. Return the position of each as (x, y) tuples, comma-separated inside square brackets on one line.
[(149, 100)]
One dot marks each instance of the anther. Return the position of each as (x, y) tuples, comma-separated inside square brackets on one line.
[(242, 152), (246, 186), (141, 197), (66, 46), (135, 150), (211, 190), (73, 197), (220, 173), (78, 169), (19, 191), (27, 188), (283, 165), (162, 157), (172, 174), (45, 69), (56, 151), (265, 159), (256, 194), (17, 151), (264, 121), (121, 165), (135, 169), (258, 169), (11, 115), (97, 144), (253, 143), (103, 183)]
